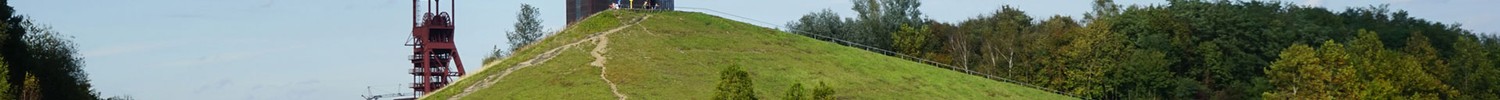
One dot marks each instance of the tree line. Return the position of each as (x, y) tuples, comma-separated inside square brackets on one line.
[(1191, 49)]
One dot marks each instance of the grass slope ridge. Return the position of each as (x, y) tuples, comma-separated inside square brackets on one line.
[(677, 55)]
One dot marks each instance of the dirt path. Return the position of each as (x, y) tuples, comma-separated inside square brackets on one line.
[(544, 57), (599, 38), (601, 45)]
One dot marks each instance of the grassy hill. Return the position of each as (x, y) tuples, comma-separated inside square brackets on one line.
[(678, 55)]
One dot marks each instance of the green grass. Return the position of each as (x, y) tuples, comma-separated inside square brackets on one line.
[(677, 55)]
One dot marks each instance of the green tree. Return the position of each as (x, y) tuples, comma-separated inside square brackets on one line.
[(1102, 8), (1426, 56), (1376, 67), (50, 57), (996, 41), (1396, 74), (911, 40), (1341, 77), (1145, 75), (735, 84), (940, 46), (876, 19), (1306, 73), (1092, 52), (40, 59), (5, 94), (1479, 81), (823, 92), (902, 12), (31, 88), (1473, 70), (12, 46), (868, 27), (1425, 70), (528, 28), (822, 23), (796, 93), (1004, 44), (1038, 53)]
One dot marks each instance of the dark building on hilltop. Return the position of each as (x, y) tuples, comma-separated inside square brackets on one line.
[(579, 9)]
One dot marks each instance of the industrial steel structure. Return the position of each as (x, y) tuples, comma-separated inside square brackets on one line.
[(432, 46)]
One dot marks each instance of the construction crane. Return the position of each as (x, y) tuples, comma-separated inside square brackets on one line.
[(371, 96), (376, 97)]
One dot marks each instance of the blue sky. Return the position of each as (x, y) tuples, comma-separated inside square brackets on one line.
[(335, 49)]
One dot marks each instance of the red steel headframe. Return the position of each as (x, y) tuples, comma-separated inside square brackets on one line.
[(433, 47)]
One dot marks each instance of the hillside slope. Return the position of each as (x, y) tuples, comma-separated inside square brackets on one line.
[(677, 55)]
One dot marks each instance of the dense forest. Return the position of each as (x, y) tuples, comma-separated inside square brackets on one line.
[(1190, 49)]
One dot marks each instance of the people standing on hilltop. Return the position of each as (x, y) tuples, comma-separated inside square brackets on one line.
[(630, 4), (615, 5)]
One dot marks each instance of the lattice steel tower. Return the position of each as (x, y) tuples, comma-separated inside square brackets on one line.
[(432, 46)]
